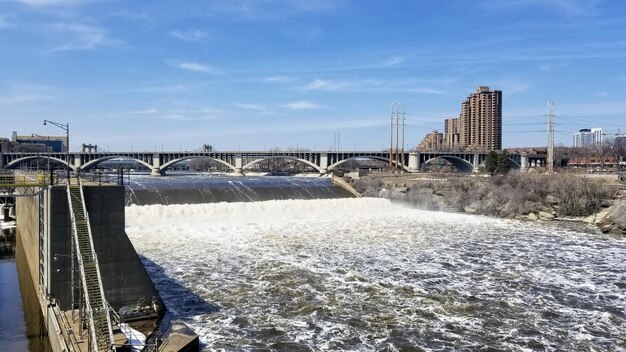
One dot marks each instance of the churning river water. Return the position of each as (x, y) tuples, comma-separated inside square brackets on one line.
[(369, 275)]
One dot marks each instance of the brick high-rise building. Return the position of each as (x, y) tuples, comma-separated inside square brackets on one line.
[(480, 121), (451, 135)]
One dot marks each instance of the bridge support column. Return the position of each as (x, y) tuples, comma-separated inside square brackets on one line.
[(414, 162), (156, 165), (238, 166), (524, 162), (78, 162), (323, 163), (476, 162)]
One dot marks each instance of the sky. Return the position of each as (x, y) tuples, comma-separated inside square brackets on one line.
[(261, 74)]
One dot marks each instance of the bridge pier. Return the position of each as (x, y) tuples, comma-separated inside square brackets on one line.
[(323, 160), (476, 162), (414, 162), (524, 162), (238, 171), (77, 162), (157, 172)]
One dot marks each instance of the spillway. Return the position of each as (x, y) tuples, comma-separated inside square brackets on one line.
[(365, 274)]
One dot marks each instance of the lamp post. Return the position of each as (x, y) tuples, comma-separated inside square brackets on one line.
[(66, 128)]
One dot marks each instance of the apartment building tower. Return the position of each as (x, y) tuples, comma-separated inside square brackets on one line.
[(478, 127), (480, 121)]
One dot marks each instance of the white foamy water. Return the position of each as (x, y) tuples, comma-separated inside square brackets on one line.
[(369, 275)]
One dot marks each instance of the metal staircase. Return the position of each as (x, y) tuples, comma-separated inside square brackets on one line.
[(96, 310)]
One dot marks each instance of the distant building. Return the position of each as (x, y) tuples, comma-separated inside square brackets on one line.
[(587, 137), (37, 143), (479, 125), (451, 134), (432, 141), (480, 122)]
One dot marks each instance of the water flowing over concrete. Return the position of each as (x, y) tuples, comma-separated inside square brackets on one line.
[(212, 189), (365, 274)]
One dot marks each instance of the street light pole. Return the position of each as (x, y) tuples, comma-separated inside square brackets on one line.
[(66, 128)]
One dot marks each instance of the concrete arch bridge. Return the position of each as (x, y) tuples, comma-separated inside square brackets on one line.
[(238, 161)]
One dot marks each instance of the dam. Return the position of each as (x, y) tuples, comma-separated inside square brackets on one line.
[(92, 289), (366, 274)]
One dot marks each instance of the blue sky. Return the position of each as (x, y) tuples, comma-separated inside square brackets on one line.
[(244, 74)]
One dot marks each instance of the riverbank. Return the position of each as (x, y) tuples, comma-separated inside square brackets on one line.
[(595, 200)]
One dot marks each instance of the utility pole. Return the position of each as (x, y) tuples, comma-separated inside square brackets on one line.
[(393, 105), (397, 158), (402, 143), (550, 161)]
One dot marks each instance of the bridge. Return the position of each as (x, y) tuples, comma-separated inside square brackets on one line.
[(238, 161)]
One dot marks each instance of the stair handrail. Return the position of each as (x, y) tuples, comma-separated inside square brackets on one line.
[(95, 259), (79, 255)]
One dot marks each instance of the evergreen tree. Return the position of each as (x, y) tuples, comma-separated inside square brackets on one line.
[(502, 163), (491, 163)]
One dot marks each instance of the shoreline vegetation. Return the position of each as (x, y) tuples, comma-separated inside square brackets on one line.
[(515, 196)]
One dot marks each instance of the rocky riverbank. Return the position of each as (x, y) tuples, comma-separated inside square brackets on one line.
[(598, 201)]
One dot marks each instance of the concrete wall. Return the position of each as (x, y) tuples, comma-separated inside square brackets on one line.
[(27, 211), (124, 278)]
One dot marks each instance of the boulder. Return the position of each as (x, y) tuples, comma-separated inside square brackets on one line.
[(532, 216), (614, 221), (545, 216), (469, 210)]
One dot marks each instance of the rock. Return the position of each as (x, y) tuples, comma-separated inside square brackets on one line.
[(545, 216), (532, 216), (469, 210), (590, 219), (614, 219)]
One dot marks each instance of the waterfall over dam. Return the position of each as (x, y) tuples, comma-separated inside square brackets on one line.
[(213, 189)]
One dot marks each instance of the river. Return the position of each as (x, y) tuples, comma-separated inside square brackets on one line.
[(370, 275)]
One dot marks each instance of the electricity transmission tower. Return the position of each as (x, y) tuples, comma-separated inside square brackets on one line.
[(550, 161)]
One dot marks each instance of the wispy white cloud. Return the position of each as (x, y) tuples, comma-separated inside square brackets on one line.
[(373, 85), (247, 10), (23, 98), (197, 67), (78, 36), (7, 21), (511, 85), (551, 67), (178, 114), (19, 93), (164, 89), (255, 107), (48, 3), (602, 93), (566, 7), (193, 35), (302, 105), (276, 79), (322, 84), (394, 60)]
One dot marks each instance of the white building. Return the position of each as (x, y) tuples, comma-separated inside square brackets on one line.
[(587, 137)]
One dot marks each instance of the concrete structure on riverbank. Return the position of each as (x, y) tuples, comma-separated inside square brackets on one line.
[(46, 237)]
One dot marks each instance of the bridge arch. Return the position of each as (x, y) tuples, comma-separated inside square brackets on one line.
[(95, 162), (386, 160), (461, 164), (172, 162), (282, 157), (16, 162)]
